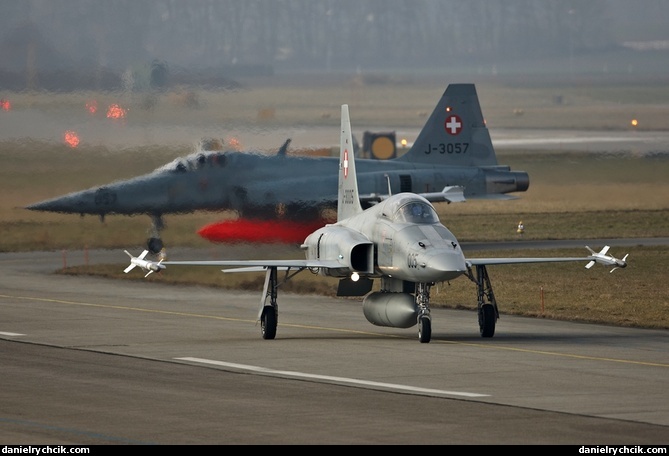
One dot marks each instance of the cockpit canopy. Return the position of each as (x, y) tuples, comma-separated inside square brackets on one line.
[(195, 161), (412, 209)]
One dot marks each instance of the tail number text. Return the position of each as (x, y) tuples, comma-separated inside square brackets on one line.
[(447, 148)]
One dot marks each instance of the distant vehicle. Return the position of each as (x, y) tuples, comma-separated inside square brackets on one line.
[(400, 241), (453, 149)]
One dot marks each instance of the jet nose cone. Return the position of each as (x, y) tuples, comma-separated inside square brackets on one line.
[(75, 203), (43, 206), (445, 265), (53, 205)]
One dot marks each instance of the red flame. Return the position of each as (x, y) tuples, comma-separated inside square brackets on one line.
[(5, 105), (259, 231), (115, 112), (71, 138)]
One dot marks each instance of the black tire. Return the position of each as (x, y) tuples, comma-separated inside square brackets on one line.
[(487, 319), (154, 245), (424, 330), (268, 323)]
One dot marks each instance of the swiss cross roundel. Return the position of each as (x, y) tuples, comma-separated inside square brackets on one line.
[(453, 125)]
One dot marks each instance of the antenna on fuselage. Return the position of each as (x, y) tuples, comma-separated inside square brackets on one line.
[(390, 192), (284, 148)]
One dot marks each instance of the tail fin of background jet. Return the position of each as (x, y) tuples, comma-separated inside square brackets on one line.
[(349, 199), (455, 133)]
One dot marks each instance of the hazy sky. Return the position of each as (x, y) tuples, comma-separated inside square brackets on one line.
[(318, 35)]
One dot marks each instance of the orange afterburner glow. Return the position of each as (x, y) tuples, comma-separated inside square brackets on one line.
[(115, 112), (71, 138)]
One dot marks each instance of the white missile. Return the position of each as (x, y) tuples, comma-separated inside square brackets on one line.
[(601, 257), (147, 265)]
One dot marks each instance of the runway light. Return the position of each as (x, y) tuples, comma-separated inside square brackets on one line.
[(234, 143), (403, 142), (635, 123), (71, 138), (5, 105), (92, 106), (115, 112), (355, 277)]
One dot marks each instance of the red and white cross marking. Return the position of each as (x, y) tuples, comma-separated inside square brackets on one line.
[(453, 125), (345, 163)]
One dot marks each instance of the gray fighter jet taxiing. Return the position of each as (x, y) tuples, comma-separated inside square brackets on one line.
[(453, 149), (400, 241)]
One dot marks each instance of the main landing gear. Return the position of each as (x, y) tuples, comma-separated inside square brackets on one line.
[(487, 305), (268, 314)]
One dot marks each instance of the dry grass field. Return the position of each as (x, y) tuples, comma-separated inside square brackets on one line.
[(572, 195)]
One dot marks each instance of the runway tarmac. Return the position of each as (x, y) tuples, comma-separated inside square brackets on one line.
[(88, 360)]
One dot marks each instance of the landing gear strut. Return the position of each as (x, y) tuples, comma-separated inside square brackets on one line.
[(487, 304), (269, 312), (154, 244), (424, 319), (268, 315)]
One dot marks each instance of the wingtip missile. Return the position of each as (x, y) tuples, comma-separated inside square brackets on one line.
[(147, 265), (603, 258)]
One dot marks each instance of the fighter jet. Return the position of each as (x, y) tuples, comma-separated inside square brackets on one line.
[(399, 241), (453, 149)]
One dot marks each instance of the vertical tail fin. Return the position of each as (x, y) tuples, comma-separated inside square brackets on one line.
[(455, 133), (348, 203)]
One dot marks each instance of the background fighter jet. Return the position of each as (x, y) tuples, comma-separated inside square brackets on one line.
[(452, 149), (399, 241)]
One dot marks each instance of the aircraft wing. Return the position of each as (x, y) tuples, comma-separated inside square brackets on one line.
[(521, 260), (601, 257), (597, 257), (258, 265)]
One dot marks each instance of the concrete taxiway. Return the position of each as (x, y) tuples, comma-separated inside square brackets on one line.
[(87, 360)]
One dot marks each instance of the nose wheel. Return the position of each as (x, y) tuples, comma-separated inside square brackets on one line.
[(424, 320), (154, 245), (424, 329)]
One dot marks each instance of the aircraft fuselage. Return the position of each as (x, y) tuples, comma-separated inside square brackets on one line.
[(259, 185)]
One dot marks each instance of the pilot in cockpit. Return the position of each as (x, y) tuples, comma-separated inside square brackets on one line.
[(417, 212)]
